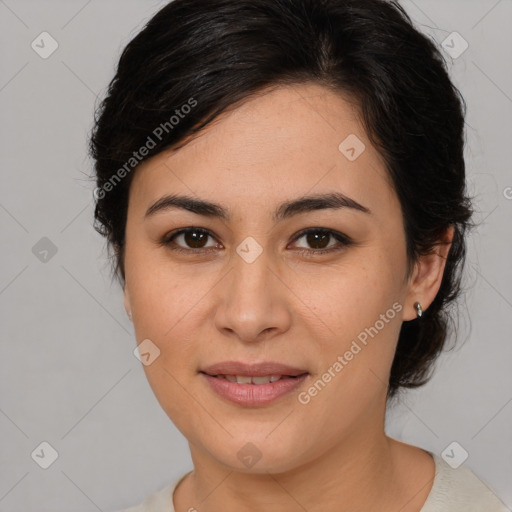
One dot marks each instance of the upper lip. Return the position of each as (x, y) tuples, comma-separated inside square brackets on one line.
[(252, 369)]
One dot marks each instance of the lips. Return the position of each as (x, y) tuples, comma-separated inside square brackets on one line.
[(253, 395), (253, 384), (263, 369)]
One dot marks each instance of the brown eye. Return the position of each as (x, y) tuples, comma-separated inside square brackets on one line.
[(318, 241), (195, 239), (190, 239)]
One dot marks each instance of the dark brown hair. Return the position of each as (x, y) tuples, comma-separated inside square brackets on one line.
[(196, 58)]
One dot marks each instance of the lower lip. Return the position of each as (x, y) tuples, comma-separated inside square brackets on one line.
[(253, 395)]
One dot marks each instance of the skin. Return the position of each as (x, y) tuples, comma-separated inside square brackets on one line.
[(198, 309)]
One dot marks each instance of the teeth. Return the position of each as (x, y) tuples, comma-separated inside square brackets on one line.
[(244, 379), (261, 380)]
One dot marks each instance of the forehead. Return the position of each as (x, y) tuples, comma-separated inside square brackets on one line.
[(281, 143)]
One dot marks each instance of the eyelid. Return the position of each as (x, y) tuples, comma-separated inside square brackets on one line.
[(342, 239), (335, 234), (168, 238)]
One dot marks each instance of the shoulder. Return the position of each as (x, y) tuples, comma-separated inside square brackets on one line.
[(159, 501), (461, 490)]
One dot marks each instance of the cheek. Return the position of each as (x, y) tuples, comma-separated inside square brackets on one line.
[(348, 296), (164, 304), (161, 292), (165, 314), (359, 311)]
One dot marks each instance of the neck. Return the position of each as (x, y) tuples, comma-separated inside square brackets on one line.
[(365, 471)]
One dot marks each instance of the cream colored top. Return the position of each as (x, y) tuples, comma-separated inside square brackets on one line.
[(453, 490)]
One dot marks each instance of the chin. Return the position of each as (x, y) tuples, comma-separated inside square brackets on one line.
[(256, 457)]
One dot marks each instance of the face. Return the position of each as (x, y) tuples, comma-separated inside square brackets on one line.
[(252, 287)]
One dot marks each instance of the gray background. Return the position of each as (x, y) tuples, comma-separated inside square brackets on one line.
[(68, 373)]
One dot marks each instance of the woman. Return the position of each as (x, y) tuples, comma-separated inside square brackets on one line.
[(282, 184)]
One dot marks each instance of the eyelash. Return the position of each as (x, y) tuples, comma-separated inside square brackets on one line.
[(343, 241)]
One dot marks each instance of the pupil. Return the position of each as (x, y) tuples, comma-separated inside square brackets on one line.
[(313, 240), (193, 239)]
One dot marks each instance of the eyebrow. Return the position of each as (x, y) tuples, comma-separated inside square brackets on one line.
[(334, 200)]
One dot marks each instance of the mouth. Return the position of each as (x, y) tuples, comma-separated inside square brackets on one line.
[(263, 369), (256, 380), (253, 385)]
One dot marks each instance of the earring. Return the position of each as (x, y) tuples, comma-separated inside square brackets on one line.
[(419, 310)]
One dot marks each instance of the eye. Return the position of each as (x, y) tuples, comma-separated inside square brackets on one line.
[(194, 239), (320, 238)]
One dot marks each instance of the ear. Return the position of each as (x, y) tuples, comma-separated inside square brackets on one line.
[(427, 276), (127, 304)]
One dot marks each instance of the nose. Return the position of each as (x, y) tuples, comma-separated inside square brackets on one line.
[(254, 302)]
